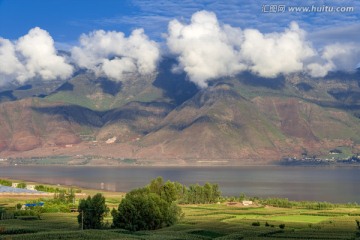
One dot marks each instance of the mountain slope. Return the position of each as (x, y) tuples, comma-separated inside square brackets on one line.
[(164, 119), (220, 124)]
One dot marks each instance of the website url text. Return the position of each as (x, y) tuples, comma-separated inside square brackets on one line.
[(313, 9)]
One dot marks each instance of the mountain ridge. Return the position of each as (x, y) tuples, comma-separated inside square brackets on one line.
[(164, 119)]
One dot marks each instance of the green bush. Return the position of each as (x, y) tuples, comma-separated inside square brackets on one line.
[(174, 191), (33, 212), (18, 206), (21, 185), (43, 188), (209, 193), (142, 209), (285, 203), (24, 213), (278, 202), (92, 212), (54, 206), (5, 182)]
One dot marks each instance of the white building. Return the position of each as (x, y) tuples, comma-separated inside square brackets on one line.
[(30, 187), (247, 203)]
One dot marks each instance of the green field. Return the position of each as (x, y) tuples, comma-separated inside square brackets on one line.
[(225, 220), (210, 221)]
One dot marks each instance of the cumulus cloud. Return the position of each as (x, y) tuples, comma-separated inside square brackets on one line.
[(269, 55), (207, 49), (114, 55), (333, 57), (10, 66), (32, 55), (204, 47)]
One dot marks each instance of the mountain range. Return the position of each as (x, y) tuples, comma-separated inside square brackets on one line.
[(164, 119)]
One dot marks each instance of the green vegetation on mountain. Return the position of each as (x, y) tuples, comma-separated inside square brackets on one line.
[(163, 117)]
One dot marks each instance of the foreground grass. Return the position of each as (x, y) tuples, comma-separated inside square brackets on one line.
[(207, 221), (211, 221)]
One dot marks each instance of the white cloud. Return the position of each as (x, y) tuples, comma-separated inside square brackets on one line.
[(335, 57), (207, 49), (240, 13), (37, 48), (344, 56), (10, 66), (319, 69), (272, 54), (32, 55), (116, 68), (114, 55)]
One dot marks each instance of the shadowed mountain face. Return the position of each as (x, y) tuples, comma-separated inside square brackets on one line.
[(7, 96), (165, 118), (174, 86)]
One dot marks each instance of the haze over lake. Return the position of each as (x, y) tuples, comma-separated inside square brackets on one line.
[(296, 183)]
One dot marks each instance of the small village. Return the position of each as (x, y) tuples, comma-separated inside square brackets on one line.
[(314, 160)]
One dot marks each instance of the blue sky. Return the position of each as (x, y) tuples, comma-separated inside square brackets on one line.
[(112, 44), (66, 20)]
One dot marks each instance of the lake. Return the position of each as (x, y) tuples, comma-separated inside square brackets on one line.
[(331, 184)]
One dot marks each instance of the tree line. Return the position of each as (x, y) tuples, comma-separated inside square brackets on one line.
[(194, 194), (286, 203), (151, 207)]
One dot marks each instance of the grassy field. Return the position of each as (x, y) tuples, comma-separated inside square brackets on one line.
[(203, 221), (215, 221), (112, 198)]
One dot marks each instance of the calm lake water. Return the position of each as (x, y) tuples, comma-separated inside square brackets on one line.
[(296, 183)]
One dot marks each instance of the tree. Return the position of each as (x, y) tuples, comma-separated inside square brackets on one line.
[(242, 197), (191, 194), (168, 192), (156, 185), (216, 194), (180, 190), (199, 194), (70, 196), (21, 185), (5, 182), (142, 209), (92, 212), (18, 206), (208, 191), (60, 197)]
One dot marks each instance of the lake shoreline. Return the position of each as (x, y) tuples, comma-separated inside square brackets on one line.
[(334, 184), (277, 164)]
